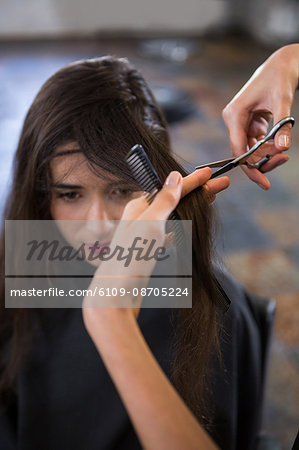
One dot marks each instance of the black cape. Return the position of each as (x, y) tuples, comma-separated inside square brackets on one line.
[(66, 399)]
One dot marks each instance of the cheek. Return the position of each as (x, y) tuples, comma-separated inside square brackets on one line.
[(62, 211)]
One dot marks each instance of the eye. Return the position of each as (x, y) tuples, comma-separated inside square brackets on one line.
[(69, 196), (122, 192)]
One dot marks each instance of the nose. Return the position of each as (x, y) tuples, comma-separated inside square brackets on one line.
[(98, 210), (99, 221)]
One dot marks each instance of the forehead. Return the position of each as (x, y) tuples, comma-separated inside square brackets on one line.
[(70, 163)]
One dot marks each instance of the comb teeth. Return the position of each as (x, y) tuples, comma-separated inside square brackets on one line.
[(142, 169), (147, 178)]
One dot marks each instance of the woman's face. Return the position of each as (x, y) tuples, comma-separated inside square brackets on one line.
[(78, 194)]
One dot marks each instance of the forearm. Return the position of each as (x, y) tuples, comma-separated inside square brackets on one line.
[(160, 417), (290, 55), (286, 63)]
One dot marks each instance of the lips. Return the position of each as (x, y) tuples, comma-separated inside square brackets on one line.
[(97, 248)]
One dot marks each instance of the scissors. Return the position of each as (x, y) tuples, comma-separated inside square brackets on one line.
[(230, 163)]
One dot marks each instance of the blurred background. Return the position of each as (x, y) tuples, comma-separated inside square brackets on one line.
[(196, 56)]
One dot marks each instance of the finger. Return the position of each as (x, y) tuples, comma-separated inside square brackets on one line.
[(216, 185), (195, 179), (257, 177), (254, 174), (259, 124), (136, 207), (236, 123), (275, 161), (199, 177), (166, 200), (266, 149)]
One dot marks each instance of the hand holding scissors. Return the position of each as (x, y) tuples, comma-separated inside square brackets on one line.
[(228, 164)]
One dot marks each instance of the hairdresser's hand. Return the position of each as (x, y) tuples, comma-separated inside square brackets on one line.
[(269, 93), (213, 187)]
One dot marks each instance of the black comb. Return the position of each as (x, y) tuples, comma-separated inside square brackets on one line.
[(147, 178)]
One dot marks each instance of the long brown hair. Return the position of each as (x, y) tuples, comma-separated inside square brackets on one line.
[(105, 106)]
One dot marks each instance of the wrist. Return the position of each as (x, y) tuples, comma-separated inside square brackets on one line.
[(105, 325)]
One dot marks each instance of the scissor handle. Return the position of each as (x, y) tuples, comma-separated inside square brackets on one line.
[(278, 125), (230, 163), (270, 135)]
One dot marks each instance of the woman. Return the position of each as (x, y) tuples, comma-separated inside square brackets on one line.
[(70, 165)]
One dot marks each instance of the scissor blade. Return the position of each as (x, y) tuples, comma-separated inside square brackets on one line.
[(224, 169), (219, 163)]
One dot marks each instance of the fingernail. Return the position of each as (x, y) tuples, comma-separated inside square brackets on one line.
[(173, 179), (283, 140)]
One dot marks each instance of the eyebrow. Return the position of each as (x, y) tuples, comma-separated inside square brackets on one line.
[(76, 186), (66, 186), (67, 152)]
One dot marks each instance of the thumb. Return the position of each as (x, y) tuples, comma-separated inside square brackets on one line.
[(282, 140), (167, 199)]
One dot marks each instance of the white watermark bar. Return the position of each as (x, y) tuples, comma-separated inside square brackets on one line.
[(78, 293), (98, 263)]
